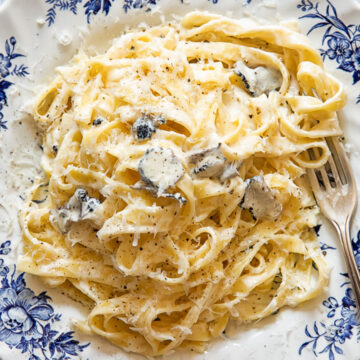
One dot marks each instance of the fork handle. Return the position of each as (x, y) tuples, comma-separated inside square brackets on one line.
[(353, 271)]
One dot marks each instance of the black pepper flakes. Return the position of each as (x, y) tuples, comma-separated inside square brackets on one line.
[(97, 122)]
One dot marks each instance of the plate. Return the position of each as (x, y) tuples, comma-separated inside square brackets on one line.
[(38, 35)]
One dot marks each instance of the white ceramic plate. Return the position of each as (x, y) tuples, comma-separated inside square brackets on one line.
[(38, 35)]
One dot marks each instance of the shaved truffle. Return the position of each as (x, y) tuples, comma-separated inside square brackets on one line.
[(260, 200), (97, 121), (160, 169), (144, 127), (79, 207), (176, 196), (208, 163), (230, 171), (260, 80)]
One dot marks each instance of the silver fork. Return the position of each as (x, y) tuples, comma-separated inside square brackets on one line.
[(335, 191)]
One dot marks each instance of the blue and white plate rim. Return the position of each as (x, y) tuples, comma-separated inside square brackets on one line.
[(32, 325)]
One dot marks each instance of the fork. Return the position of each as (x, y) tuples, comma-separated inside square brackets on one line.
[(334, 187)]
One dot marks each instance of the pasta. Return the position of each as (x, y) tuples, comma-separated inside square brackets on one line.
[(175, 195)]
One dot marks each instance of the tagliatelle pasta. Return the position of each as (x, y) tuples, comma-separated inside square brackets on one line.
[(175, 195)]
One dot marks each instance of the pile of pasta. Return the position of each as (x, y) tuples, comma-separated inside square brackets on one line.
[(157, 273)]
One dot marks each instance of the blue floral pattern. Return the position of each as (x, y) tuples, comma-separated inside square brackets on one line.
[(26, 319), (7, 68), (62, 5), (328, 338), (139, 4), (94, 7), (324, 247), (147, 4), (356, 248), (91, 7), (342, 41)]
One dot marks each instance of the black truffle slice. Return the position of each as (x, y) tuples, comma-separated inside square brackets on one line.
[(97, 121), (79, 207), (160, 169), (260, 200), (176, 196), (146, 125), (230, 171), (208, 163), (260, 80)]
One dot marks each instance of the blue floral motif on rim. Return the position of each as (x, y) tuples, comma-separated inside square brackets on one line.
[(26, 318), (7, 68), (62, 5), (139, 4), (329, 337), (92, 7), (343, 41), (324, 247), (147, 4)]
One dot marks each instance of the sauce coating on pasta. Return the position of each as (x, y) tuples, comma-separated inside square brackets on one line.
[(175, 165)]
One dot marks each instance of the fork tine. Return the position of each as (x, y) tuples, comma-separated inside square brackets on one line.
[(322, 171), (325, 178), (334, 171), (339, 157), (313, 180), (344, 162)]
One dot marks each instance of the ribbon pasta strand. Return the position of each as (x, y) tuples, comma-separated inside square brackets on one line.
[(158, 272)]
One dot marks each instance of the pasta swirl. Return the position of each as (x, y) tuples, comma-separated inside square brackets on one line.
[(161, 265)]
